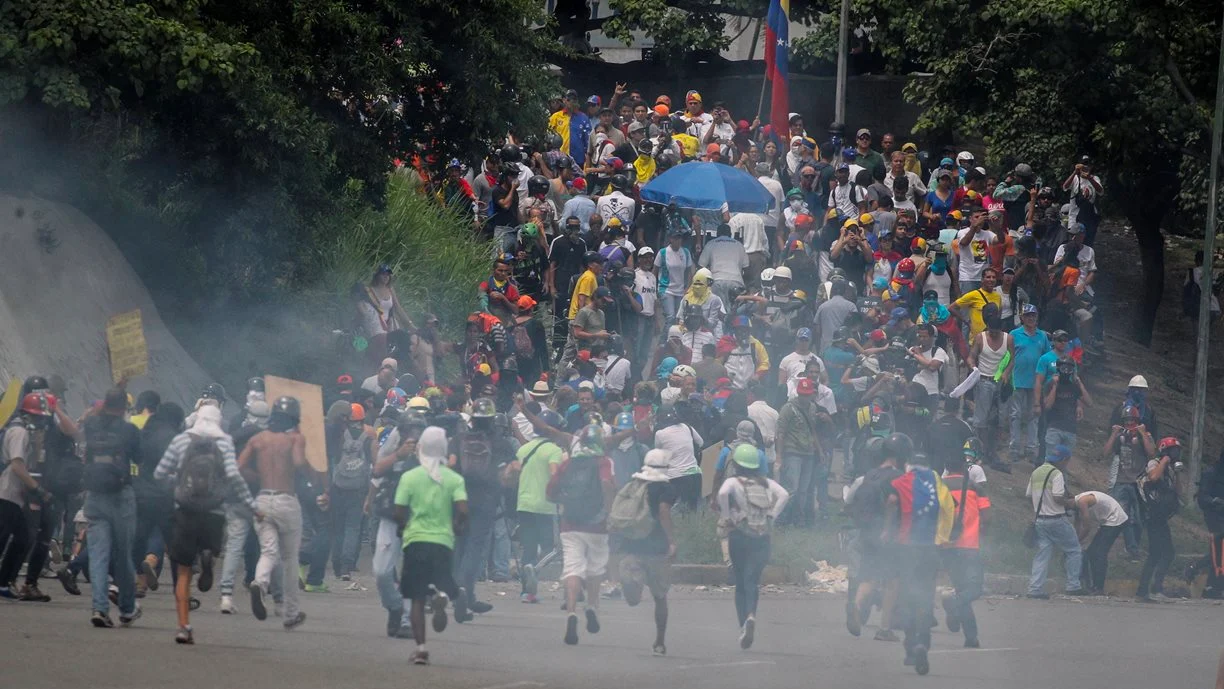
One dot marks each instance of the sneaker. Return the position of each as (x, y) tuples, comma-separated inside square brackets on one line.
[(346, 577), (480, 607), (316, 588), (301, 577), (439, 612), (419, 657), (257, 603), (141, 589), (592, 621), (112, 594), (1161, 598), (394, 619), (528, 598), (571, 630), (184, 636), (886, 635), (530, 582), (659, 650), (1037, 596), (68, 581), (227, 605), (193, 604), (33, 595), (206, 572), (128, 619), (101, 620), (748, 633), (295, 621), (921, 664), (852, 619), (950, 618), (7, 593), (148, 572), (461, 610), (973, 643)]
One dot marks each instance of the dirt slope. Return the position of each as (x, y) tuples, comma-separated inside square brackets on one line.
[(61, 278)]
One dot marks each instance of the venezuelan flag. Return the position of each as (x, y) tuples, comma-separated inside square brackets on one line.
[(777, 66)]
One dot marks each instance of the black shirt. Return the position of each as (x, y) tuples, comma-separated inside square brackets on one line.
[(657, 493), (566, 254), (854, 265), (504, 217), (946, 439), (529, 271), (1062, 413)]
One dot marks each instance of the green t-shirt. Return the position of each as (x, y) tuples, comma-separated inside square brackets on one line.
[(431, 505), (533, 481)]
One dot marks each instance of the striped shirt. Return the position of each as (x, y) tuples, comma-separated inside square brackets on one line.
[(167, 468)]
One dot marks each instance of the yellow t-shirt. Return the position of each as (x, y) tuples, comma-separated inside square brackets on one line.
[(974, 301), (687, 142), (586, 286), (559, 123)]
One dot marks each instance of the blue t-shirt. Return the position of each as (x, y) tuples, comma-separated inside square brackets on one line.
[(1047, 365), (724, 456), (837, 360), (1029, 349)]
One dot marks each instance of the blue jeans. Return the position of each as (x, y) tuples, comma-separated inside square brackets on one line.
[(112, 526), (1023, 424), (346, 505), (501, 550), (1057, 436), (474, 548), (749, 555), (671, 306), (1127, 496), (806, 477), (1056, 532), (387, 552)]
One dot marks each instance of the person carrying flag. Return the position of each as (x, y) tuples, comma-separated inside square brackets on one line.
[(921, 512)]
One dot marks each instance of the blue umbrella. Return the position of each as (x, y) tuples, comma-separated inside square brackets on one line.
[(709, 186)]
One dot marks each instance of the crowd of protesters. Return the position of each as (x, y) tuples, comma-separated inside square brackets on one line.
[(896, 323)]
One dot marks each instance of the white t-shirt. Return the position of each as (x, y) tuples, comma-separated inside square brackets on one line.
[(974, 256), (977, 476), (646, 286), (1087, 263), (696, 125), (678, 263), (678, 440), (723, 133), (906, 206), (626, 245), (1106, 511), (696, 340), (840, 198), (615, 374), (616, 205), (1057, 488), (749, 229), (794, 364), (774, 187), (926, 377)]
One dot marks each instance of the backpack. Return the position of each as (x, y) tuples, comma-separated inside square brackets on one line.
[(580, 492), (108, 468), (630, 514), (352, 472), (476, 458), (522, 342), (758, 503), (200, 485), (1159, 497)]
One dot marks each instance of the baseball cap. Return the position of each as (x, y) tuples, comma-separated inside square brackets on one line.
[(878, 335), (947, 161), (899, 313), (603, 293), (712, 149), (803, 334), (862, 131), (344, 379), (613, 222), (674, 331), (664, 99), (662, 110), (1028, 308), (743, 125), (849, 153), (594, 100), (526, 303), (692, 96), (843, 166), (1075, 228), (930, 295), (1060, 336), (805, 386), (1058, 454), (580, 185), (741, 322), (586, 385), (644, 251), (636, 126), (571, 94), (831, 214)]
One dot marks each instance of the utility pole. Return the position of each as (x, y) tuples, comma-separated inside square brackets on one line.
[(1197, 443), (843, 48)]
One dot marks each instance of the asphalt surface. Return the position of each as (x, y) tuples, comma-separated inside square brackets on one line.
[(801, 642)]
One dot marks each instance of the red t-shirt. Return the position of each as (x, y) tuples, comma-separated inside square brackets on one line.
[(605, 475)]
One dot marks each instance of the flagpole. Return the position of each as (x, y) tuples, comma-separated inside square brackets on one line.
[(843, 41), (765, 77)]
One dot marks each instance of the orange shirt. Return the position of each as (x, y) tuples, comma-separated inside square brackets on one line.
[(1000, 250), (971, 519)]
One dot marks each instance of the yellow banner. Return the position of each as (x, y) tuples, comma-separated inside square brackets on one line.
[(129, 353)]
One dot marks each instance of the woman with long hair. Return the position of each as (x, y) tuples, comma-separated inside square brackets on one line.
[(379, 312)]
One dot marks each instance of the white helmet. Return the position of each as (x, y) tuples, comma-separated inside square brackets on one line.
[(782, 272), (1137, 382), (768, 275), (963, 156)]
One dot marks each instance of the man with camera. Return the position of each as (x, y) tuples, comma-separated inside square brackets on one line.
[(1085, 189), (852, 253)]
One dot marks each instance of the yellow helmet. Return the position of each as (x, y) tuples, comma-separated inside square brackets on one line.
[(418, 403)]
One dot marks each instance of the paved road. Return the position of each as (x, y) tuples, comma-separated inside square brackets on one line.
[(800, 643)]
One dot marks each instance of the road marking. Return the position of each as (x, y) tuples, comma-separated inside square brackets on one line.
[(735, 664), (974, 650), (515, 685)]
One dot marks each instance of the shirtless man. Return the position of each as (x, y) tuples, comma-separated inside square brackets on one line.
[(272, 459)]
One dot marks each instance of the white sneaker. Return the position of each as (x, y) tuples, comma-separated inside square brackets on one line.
[(227, 605)]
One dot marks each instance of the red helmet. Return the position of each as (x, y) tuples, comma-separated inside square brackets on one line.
[(1167, 443), (38, 404), (906, 265)]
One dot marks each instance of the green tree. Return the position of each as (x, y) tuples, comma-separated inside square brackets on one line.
[(1043, 82)]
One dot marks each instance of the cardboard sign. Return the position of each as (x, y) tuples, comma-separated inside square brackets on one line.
[(129, 353), (709, 460), (310, 397)]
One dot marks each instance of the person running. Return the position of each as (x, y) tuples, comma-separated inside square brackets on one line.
[(536, 462), (583, 487), (430, 507), (111, 446), (200, 466), (962, 555), (397, 456), (273, 457), (350, 482), (750, 503)]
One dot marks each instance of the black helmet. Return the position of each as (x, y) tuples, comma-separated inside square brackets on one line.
[(616, 345), (898, 446), (591, 257), (483, 408), (213, 391), (287, 406), (620, 183), (563, 163), (256, 384), (553, 141), (509, 154), (666, 160), (841, 334), (667, 416), (411, 425), (35, 383), (973, 448), (537, 185)]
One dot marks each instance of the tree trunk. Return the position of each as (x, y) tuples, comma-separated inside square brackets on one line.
[(1152, 255)]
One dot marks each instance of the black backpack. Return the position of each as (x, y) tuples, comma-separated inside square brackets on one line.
[(108, 467), (476, 458), (580, 492), (200, 485)]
